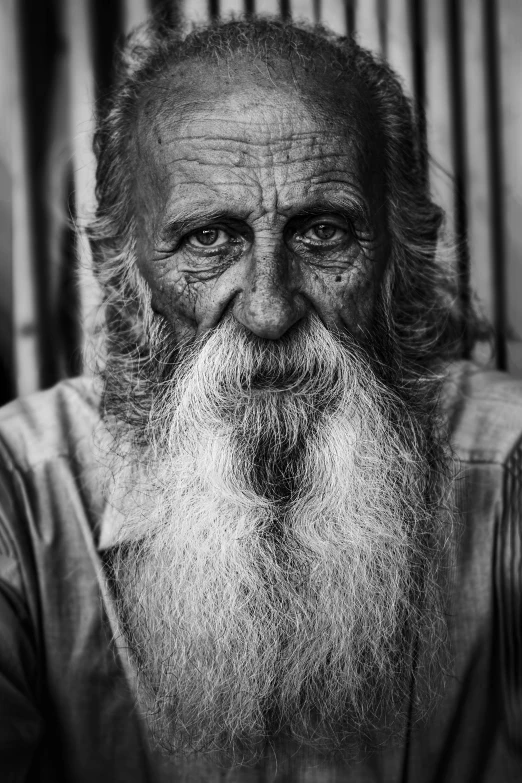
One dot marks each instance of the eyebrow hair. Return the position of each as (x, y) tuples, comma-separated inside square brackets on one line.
[(188, 218), (353, 205)]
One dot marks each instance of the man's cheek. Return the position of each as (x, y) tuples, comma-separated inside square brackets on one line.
[(176, 299), (356, 304), (343, 299)]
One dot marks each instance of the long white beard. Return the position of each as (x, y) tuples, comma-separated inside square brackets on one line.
[(277, 570)]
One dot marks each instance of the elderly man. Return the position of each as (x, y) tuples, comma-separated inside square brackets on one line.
[(280, 539)]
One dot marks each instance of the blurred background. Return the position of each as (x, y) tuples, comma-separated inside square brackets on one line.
[(459, 59)]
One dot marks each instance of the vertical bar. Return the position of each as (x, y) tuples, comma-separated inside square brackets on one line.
[(496, 203), (58, 211), (478, 193), (284, 9), (382, 16), (317, 11), (39, 69), (418, 48), (81, 90), (8, 101), (213, 9), (27, 349), (107, 24), (250, 7), (509, 20), (457, 98), (438, 112), (349, 16)]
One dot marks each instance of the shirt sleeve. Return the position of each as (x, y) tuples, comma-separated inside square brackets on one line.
[(21, 725), (508, 597)]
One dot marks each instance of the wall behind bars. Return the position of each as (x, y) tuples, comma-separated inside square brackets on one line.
[(459, 59)]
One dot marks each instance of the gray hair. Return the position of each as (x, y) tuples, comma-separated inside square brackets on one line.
[(424, 316)]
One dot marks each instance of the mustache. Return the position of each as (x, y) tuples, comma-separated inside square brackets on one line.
[(303, 362)]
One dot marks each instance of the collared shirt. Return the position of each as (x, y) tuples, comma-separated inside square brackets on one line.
[(66, 705)]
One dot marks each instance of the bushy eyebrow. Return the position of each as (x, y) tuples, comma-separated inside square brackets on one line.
[(351, 205), (190, 217)]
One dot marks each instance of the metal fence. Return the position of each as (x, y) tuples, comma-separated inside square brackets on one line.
[(459, 60)]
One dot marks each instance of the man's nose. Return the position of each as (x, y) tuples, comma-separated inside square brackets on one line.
[(269, 303)]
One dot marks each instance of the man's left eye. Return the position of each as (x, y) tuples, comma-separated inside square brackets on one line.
[(208, 237), (323, 232)]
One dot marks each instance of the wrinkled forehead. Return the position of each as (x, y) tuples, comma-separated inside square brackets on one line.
[(244, 102)]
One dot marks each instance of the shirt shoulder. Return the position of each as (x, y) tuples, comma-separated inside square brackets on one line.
[(50, 478), (484, 411), (44, 426)]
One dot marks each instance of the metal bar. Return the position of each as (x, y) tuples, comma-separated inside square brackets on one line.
[(438, 112), (81, 91), (38, 38), (349, 16), (496, 203), (9, 100), (418, 48), (25, 314), (284, 9), (213, 9), (457, 98), (382, 17), (107, 22)]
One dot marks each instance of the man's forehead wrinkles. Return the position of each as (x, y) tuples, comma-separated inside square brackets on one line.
[(188, 203), (212, 153), (288, 184), (266, 160), (243, 129), (231, 168), (275, 184), (310, 142), (249, 130)]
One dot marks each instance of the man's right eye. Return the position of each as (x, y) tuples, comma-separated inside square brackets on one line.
[(208, 237)]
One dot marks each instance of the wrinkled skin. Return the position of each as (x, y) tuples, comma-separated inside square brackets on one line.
[(254, 201)]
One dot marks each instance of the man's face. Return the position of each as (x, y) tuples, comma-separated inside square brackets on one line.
[(253, 204), (278, 556)]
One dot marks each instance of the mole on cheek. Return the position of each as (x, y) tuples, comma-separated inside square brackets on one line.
[(159, 140), (338, 278)]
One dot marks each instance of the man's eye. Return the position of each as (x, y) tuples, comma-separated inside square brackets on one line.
[(208, 237), (324, 232)]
